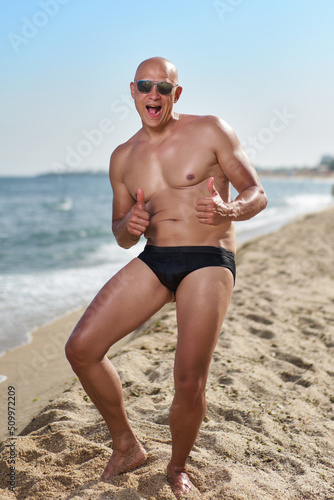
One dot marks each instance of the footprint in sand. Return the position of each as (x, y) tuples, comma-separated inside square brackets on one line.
[(244, 418), (259, 319), (225, 380), (263, 334), (289, 377), (294, 360)]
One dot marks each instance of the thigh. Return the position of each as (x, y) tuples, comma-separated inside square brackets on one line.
[(202, 299), (125, 302)]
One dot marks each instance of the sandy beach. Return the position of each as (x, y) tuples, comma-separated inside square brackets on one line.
[(269, 429)]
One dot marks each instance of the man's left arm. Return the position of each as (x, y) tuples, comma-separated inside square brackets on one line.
[(240, 171)]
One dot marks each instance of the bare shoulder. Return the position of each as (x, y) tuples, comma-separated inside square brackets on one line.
[(119, 157), (212, 126), (219, 128), (122, 151)]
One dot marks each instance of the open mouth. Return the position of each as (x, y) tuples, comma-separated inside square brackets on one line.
[(153, 110)]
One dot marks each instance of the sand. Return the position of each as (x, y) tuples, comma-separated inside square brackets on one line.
[(269, 429)]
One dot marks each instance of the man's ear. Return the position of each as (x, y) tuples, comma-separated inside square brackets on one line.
[(132, 89), (178, 92)]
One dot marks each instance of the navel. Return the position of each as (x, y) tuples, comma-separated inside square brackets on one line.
[(190, 177)]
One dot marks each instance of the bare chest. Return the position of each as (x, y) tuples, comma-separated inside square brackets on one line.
[(175, 163)]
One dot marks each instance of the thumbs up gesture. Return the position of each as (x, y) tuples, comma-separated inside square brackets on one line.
[(139, 218), (212, 209)]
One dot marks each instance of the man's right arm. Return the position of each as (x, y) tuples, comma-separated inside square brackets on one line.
[(129, 219)]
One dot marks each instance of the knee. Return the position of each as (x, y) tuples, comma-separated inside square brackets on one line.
[(77, 351), (191, 390)]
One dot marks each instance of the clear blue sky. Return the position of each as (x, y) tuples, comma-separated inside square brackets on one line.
[(265, 67)]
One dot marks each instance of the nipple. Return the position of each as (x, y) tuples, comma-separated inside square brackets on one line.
[(190, 177)]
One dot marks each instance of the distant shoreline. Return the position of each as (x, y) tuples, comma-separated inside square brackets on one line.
[(275, 172), (284, 172), (302, 174)]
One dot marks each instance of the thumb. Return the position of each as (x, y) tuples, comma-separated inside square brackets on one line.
[(140, 198), (212, 190)]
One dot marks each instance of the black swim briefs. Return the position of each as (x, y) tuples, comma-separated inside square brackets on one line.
[(172, 264)]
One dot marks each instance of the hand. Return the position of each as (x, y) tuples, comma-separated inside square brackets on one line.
[(139, 218), (212, 209)]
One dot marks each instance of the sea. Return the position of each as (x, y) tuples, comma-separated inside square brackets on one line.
[(57, 248)]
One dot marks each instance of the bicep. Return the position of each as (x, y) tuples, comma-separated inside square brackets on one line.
[(122, 199), (234, 161)]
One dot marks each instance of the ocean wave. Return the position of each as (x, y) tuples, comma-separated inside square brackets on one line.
[(65, 205), (29, 300), (308, 201)]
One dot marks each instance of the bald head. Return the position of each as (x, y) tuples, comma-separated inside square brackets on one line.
[(158, 64)]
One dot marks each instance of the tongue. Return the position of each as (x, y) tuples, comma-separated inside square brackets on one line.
[(153, 111)]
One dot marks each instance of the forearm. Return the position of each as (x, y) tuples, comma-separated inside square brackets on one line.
[(248, 203), (121, 233)]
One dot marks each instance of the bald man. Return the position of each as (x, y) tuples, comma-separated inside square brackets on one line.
[(171, 183)]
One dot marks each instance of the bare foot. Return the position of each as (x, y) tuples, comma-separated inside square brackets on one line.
[(179, 480), (124, 461)]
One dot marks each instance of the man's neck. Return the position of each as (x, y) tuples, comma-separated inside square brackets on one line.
[(160, 133)]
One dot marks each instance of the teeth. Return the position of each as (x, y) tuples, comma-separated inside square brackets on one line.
[(153, 110)]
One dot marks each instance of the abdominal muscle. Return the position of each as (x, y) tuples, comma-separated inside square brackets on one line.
[(173, 222)]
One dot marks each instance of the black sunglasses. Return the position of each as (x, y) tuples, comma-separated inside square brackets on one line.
[(146, 86)]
